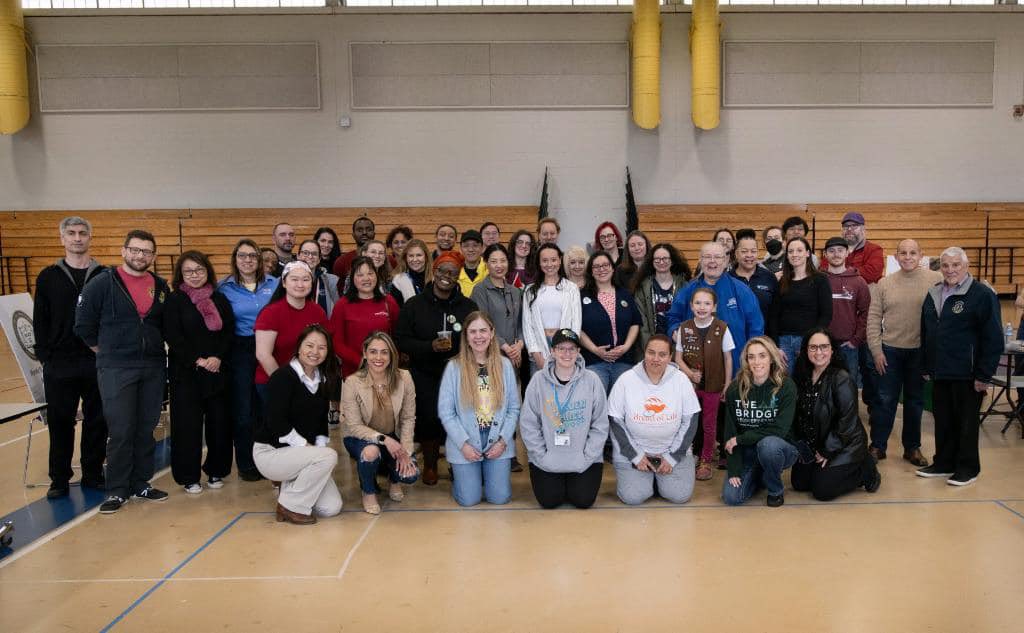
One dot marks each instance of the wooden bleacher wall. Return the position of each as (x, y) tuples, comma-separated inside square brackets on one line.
[(29, 240), (986, 230)]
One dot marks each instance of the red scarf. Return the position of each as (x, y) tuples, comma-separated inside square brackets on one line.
[(201, 300)]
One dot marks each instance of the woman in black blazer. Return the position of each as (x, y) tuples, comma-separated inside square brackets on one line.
[(198, 327)]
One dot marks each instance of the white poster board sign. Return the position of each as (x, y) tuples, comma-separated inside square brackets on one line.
[(16, 317)]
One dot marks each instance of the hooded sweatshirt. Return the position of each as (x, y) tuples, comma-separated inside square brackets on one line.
[(652, 419), (552, 411), (851, 299)]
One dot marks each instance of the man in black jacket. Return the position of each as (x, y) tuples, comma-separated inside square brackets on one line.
[(961, 340), (69, 366), (120, 316)]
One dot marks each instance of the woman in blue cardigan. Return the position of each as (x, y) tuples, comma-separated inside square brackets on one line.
[(479, 406), (610, 324)]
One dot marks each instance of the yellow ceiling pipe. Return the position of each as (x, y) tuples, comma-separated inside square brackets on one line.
[(14, 110), (646, 44), (705, 55)]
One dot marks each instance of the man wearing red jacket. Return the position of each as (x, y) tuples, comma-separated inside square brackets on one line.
[(867, 257)]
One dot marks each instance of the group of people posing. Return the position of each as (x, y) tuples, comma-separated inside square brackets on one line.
[(623, 354)]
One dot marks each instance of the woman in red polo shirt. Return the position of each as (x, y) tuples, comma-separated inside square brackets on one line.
[(279, 324), (364, 309)]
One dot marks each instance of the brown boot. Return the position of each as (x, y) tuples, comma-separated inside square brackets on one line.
[(915, 457), (431, 453), (284, 515)]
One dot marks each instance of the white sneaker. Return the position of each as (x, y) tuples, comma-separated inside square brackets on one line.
[(193, 489), (215, 483)]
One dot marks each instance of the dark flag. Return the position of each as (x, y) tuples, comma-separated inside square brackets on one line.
[(632, 219), (542, 210)]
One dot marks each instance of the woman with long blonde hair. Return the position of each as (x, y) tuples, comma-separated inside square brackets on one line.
[(759, 409), (478, 405)]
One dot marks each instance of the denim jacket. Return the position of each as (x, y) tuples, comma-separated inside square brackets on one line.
[(460, 421)]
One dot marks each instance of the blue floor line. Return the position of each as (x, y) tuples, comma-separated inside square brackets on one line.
[(41, 517), (171, 573), (1003, 505)]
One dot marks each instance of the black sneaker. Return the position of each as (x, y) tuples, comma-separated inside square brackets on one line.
[(58, 490), (150, 494), (250, 475), (774, 501), (932, 471), (875, 483), (111, 505), (961, 480)]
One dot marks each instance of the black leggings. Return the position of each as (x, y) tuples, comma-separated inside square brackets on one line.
[(825, 484), (554, 489)]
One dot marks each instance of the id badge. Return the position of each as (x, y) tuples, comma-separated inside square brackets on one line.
[(561, 439)]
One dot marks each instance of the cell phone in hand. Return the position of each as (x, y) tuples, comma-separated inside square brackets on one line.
[(654, 461)]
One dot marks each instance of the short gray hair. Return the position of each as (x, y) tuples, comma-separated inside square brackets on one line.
[(74, 220), (708, 245), (955, 251)]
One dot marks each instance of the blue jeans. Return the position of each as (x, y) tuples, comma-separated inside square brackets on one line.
[(790, 344), (902, 372), (244, 402), (852, 357), (489, 479), (763, 464), (868, 378), (368, 470), (609, 372)]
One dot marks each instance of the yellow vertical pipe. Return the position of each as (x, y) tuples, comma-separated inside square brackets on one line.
[(646, 40), (705, 53), (14, 109)]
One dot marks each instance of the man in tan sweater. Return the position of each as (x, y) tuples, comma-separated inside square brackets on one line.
[(894, 338)]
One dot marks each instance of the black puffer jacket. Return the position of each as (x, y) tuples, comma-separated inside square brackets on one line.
[(840, 436)]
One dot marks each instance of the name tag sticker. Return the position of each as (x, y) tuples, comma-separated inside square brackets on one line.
[(561, 439)]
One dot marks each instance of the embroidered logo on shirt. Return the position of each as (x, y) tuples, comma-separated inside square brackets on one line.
[(958, 307), (732, 303)]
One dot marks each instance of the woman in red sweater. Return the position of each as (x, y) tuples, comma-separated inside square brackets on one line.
[(364, 309)]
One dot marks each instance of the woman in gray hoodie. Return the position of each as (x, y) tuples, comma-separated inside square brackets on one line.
[(564, 425)]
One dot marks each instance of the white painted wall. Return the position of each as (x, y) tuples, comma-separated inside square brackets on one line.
[(497, 157)]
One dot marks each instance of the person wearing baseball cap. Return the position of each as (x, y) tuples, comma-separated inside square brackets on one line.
[(867, 257), (474, 270), (850, 302)]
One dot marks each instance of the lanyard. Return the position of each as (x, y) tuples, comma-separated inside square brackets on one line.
[(562, 406)]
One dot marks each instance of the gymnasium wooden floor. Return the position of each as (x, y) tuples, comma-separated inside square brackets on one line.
[(917, 556)]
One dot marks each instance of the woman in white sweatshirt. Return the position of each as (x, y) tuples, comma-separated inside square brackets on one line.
[(653, 411)]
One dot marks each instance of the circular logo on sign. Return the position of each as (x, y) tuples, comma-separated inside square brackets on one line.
[(24, 333), (958, 307)]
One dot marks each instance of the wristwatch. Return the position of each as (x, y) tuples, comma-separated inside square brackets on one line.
[(380, 438)]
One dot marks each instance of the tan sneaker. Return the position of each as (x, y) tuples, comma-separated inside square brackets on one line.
[(395, 492), (705, 471)]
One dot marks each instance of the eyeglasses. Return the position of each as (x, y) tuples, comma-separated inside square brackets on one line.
[(662, 260), (824, 347), (247, 256), (713, 258), (140, 251), (446, 272), (524, 241), (193, 272), (605, 236), (309, 253), (605, 266)]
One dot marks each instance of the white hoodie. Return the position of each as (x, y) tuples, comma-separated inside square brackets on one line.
[(652, 419)]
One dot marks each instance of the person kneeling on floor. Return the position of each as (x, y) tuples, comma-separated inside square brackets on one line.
[(654, 416), (564, 426), (759, 408), (832, 442), (291, 441)]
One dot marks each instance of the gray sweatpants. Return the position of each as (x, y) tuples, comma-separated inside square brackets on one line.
[(132, 398), (306, 476), (634, 486)]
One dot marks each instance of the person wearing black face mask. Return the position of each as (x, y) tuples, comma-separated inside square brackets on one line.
[(772, 237)]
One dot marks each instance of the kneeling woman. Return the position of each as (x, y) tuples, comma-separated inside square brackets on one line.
[(653, 410), (564, 425), (378, 405), (759, 407), (478, 405), (833, 445), (291, 441)]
